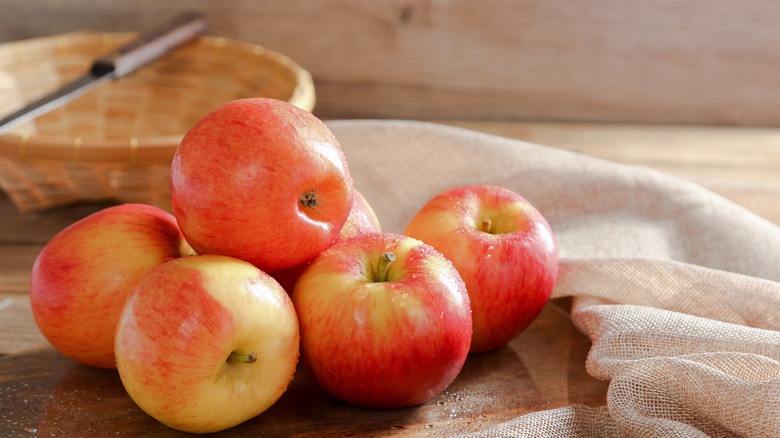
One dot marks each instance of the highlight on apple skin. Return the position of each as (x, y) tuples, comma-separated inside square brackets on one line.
[(83, 276), (207, 342), (261, 180), (504, 250), (385, 320)]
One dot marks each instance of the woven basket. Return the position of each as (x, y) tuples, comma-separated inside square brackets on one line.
[(116, 142)]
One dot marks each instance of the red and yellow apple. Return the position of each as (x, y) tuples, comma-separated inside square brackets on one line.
[(206, 342), (503, 249), (361, 220), (82, 277), (261, 180), (385, 320)]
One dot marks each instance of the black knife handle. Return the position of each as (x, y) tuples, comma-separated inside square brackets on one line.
[(150, 46)]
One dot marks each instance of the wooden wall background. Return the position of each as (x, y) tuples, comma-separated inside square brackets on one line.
[(649, 61)]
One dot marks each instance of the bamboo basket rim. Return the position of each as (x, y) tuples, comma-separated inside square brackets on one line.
[(137, 150)]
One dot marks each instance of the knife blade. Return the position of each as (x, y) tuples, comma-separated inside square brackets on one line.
[(114, 65)]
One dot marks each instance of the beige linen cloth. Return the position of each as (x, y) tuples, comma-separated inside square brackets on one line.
[(678, 288)]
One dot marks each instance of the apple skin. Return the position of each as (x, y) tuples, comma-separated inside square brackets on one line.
[(260, 180), (84, 274), (510, 271), (361, 220), (179, 328), (383, 344)]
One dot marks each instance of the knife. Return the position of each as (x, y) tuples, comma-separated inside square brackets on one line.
[(114, 65)]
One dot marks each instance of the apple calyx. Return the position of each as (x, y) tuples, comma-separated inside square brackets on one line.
[(309, 199), (384, 264), (243, 358)]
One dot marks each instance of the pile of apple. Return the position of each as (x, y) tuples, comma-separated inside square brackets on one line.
[(270, 253)]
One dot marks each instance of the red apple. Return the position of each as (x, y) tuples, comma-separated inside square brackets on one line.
[(82, 277), (503, 249), (385, 320), (361, 220), (207, 342), (263, 181)]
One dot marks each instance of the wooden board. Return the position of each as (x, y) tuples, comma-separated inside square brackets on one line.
[(42, 392), (697, 61)]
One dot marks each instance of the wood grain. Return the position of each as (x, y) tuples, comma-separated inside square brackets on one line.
[(693, 62), (44, 393)]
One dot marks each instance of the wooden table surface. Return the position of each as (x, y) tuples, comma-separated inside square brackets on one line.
[(543, 368)]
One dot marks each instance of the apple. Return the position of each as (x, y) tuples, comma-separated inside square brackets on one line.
[(361, 220), (261, 180), (503, 249), (83, 275), (385, 320), (206, 342)]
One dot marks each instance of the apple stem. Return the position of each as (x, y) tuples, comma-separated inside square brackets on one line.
[(486, 225), (384, 264), (245, 358)]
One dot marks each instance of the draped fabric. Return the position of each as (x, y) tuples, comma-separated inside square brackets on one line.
[(677, 288)]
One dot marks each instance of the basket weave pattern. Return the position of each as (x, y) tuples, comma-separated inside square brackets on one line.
[(116, 141)]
